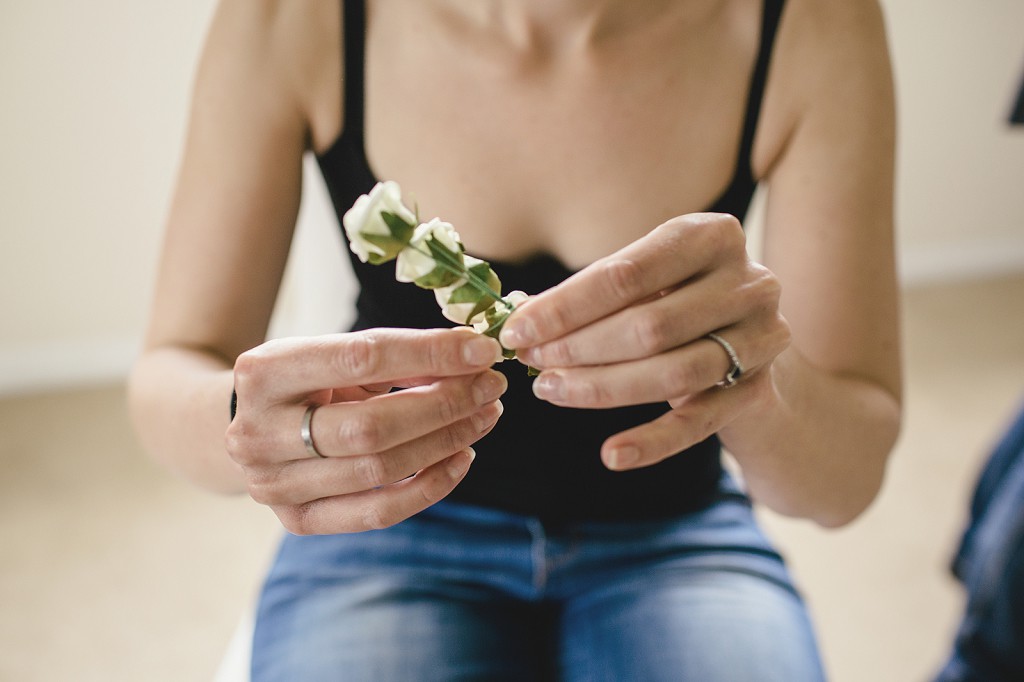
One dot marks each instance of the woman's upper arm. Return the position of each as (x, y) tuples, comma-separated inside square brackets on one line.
[(234, 208), (829, 214)]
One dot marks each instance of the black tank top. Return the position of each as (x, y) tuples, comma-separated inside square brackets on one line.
[(539, 460)]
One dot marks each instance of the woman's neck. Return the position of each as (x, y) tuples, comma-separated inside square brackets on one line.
[(554, 27)]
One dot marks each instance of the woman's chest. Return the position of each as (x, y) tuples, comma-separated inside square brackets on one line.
[(575, 158)]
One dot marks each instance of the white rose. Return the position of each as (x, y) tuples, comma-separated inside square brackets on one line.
[(499, 311), (416, 261), (461, 312), (369, 236)]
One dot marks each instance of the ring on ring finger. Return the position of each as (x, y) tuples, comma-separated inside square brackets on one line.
[(306, 432), (735, 370)]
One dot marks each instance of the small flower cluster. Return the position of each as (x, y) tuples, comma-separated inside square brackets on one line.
[(380, 228)]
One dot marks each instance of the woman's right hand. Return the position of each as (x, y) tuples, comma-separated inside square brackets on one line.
[(385, 455)]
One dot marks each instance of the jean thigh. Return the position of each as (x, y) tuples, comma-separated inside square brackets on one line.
[(703, 623), (703, 598), (391, 605)]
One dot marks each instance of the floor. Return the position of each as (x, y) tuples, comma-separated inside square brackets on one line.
[(113, 570)]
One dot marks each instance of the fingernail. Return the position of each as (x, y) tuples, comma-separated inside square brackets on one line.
[(458, 464), (623, 457), (488, 387), (518, 333), (549, 386), (481, 350), (485, 418)]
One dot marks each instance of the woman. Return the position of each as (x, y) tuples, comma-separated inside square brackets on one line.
[(601, 155)]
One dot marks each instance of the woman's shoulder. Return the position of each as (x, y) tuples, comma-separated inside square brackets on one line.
[(290, 50), (827, 53), (828, 34)]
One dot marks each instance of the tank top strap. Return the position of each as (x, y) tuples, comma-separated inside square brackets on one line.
[(354, 14), (771, 15)]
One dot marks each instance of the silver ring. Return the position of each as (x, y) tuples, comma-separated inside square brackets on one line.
[(736, 370), (307, 432)]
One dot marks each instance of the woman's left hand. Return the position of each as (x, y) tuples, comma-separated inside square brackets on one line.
[(633, 328)]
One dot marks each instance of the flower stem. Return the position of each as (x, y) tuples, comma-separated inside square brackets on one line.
[(461, 271)]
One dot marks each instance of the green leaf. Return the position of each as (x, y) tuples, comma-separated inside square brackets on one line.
[(483, 272), (385, 243), (467, 293), (400, 229), (442, 254), (437, 278)]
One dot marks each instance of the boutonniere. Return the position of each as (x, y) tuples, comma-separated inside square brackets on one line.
[(381, 228)]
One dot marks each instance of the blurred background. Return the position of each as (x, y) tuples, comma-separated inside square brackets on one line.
[(112, 569)]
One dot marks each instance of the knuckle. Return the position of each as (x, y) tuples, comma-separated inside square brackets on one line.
[(360, 357), (442, 353), (768, 287), (372, 471), (296, 519), (694, 426), (241, 444), (361, 431), (782, 332), (552, 320), (451, 438), (435, 490), (624, 278), (249, 372), (680, 378), (723, 234), (449, 407), (651, 332), (262, 484), (379, 516), (730, 234), (263, 492), (454, 437), (558, 353), (759, 290), (234, 444)]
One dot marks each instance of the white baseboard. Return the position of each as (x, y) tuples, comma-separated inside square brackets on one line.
[(65, 364), (939, 263)]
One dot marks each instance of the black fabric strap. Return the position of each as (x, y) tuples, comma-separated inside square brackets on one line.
[(769, 25), (354, 13)]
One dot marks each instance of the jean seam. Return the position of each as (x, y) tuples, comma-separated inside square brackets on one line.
[(538, 556)]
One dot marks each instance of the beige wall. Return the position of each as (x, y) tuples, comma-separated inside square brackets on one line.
[(90, 127), (93, 111), (961, 181)]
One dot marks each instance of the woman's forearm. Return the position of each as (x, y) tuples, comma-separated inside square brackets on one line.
[(179, 403), (816, 444)]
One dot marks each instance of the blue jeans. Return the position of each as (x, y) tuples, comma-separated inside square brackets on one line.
[(989, 643), (467, 593)]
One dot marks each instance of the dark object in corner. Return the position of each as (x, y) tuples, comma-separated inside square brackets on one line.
[(989, 644), (1017, 115)]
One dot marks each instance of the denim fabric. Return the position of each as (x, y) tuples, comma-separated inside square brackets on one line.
[(466, 593), (989, 644)]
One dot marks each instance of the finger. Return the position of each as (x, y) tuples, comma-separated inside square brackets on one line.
[(290, 369), (695, 419), (659, 324), (299, 481), (385, 421), (354, 393), (682, 371), (372, 425), (669, 254), (379, 508)]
